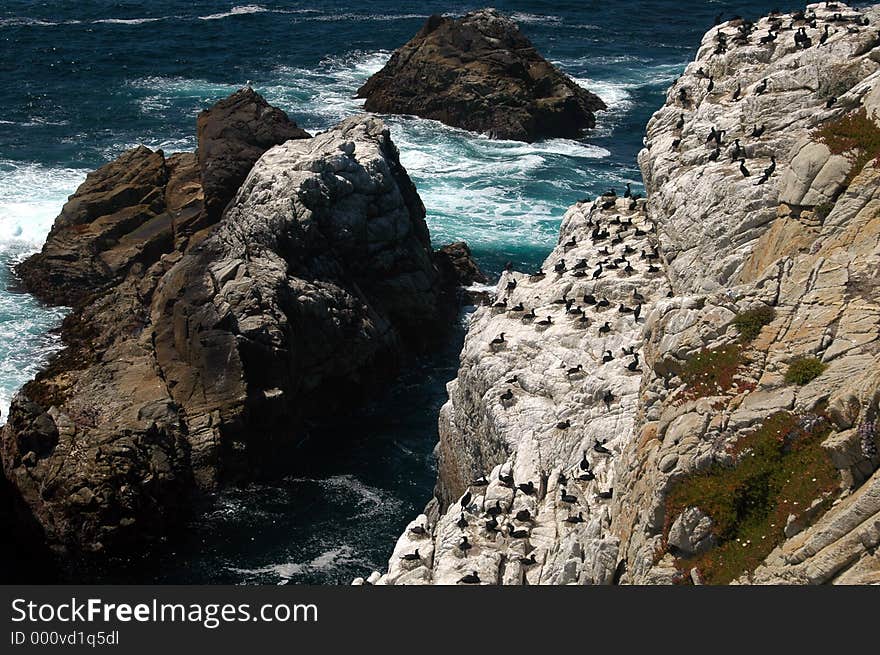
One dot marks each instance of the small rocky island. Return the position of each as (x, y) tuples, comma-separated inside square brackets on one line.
[(480, 73), (220, 299)]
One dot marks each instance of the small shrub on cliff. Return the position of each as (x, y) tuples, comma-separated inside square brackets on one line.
[(803, 370), (821, 211), (711, 371), (777, 470), (750, 322), (854, 135)]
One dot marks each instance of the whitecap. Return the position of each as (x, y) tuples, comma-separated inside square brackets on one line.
[(535, 19), (236, 11), (127, 21)]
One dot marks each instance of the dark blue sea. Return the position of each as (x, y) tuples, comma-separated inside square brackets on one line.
[(83, 80)]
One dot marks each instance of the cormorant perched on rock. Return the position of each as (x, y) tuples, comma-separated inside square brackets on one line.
[(586, 476), (501, 304), (769, 38), (462, 522), (589, 299), (737, 150), (507, 396), (604, 302), (584, 464), (825, 35), (466, 499), (418, 530), (574, 370), (743, 169), (605, 328), (515, 533), (679, 124), (481, 481), (637, 311), (497, 341), (761, 88), (566, 497), (607, 357), (830, 102), (523, 516), (464, 545), (597, 272), (505, 478), (559, 267), (470, 578), (758, 131), (634, 365), (600, 448), (411, 557), (738, 92), (491, 525), (605, 495), (495, 510), (715, 154), (575, 519), (676, 143), (546, 322), (563, 425), (528, 561), (711, 86), (529, 316), (528, 488), (628, 192), (608, 398)]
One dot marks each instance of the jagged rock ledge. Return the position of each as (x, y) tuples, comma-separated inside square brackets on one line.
[(757, 273)]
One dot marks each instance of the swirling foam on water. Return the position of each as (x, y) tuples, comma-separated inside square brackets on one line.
[(30, 198)]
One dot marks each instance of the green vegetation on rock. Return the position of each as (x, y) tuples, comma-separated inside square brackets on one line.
[(750, 322), (778, 470), (803, 370)]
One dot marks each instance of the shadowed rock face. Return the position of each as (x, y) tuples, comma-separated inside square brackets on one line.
[(233, 134), (185, 364), (481, 74)]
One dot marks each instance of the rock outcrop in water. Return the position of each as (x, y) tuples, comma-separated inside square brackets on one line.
[(741, 444), (198, 358), (482, 74)]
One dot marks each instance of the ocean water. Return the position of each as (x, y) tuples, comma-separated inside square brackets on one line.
[(85, 80)]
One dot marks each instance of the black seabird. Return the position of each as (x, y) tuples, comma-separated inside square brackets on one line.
[(575, 519), (418, 530), (605, 495), (743, 169), (528, 488), (758, 131), (545, 322), (481, 481), (604, 328), (466, 499), (495, 510), (563, 425), (464, 545), (470, 578), (461, 522), (584, 464), (567, 498), (761, 88), (497, 341), (607, 357), (507, 396), (575, 369), (523, 516), (506, 479), (411, 557), (515, 533), (600, 448)]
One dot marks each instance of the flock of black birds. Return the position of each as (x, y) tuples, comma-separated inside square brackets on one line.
[(620, 259), (495, 518), (798, 23)]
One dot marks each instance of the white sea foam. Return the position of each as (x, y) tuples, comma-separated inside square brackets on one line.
[(128, 21), (236, 11), (535, 19), (30, 198)]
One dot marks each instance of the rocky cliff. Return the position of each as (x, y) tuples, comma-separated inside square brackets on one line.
[(480, 73), (688, 391), (220, 300)]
